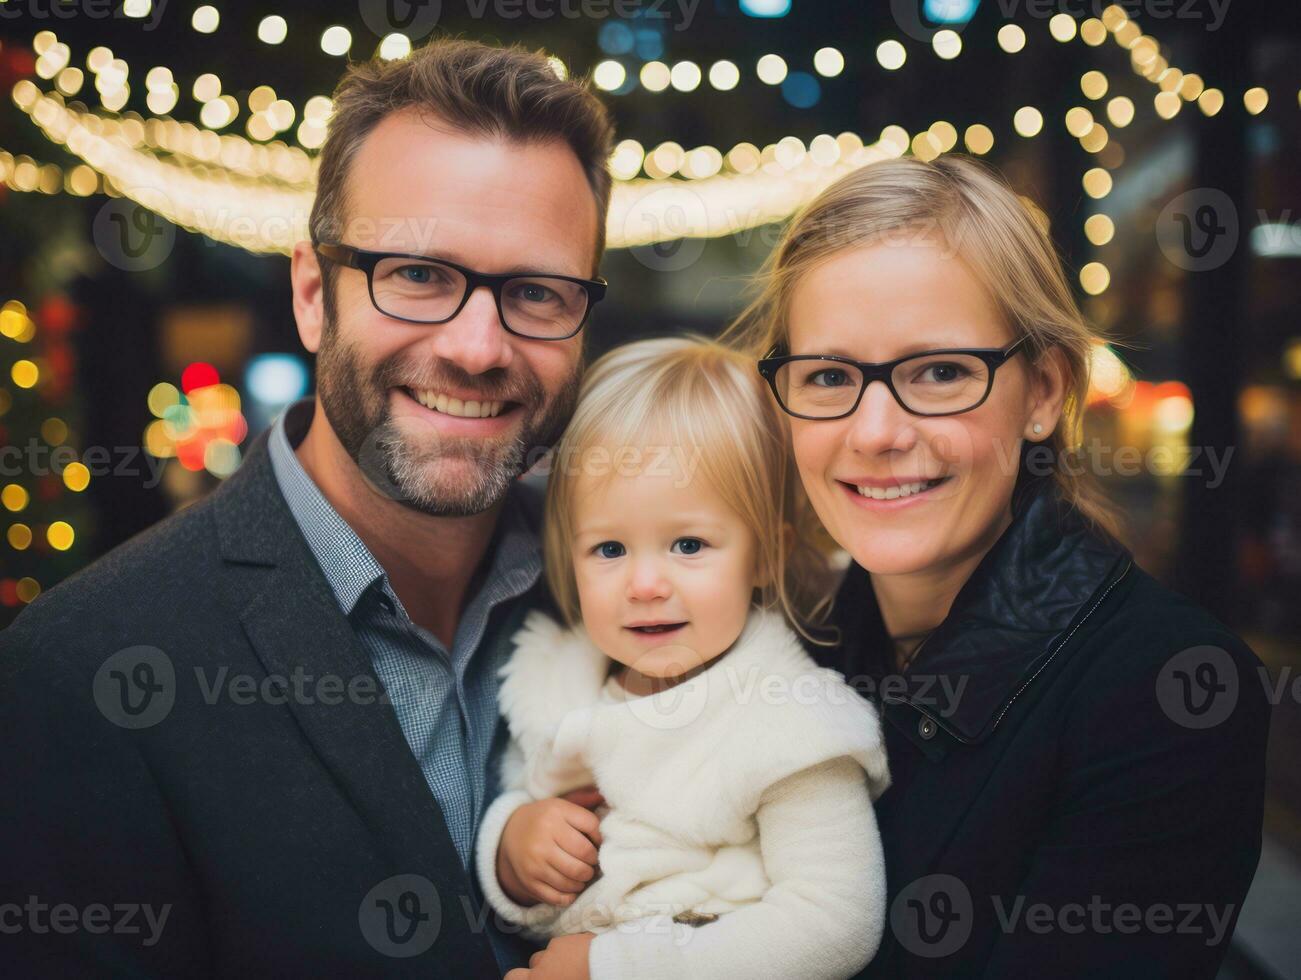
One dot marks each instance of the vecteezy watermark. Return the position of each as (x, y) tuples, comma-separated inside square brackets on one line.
[(149, 14), (97, 918), (414, 18), (1101, 459), (1198, 230), (38, 459), (932, 916), (297, 687), (681, 12), (1212, 12), (135, 688), (130, 236), (1200, 687), (1103, 918), (401, 916)]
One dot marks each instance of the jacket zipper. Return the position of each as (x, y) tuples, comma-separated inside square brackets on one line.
[(1030, 680)]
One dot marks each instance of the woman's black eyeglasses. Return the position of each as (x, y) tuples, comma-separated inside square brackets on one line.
[(934, 382), (420, 289)]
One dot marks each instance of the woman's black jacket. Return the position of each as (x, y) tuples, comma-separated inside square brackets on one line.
[(1078, 763)]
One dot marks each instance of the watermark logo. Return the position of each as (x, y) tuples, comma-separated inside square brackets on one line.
[(401, 916), (1198, 687), (131, 237), (672, 222), (932, 916), (135, 688), (1198, 230), (414, 18)]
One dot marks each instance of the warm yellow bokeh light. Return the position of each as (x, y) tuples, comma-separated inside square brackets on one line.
[(27, 589), (1028, 121), (336, 40), (1167, 104), (1011, 38), (947, 44), (1078, 121), (54, 431), (60, 535), (828, 62), (685, 76), (76, 477), (272, 30), (724, 75), (1120, 111), (609, 75), (205, 19), (772, 69), (1097, 182), (979, 139), (25, 374), (1211, 101), (1093, 84), (1099, 229), (891, 55), (14, 497), (655, 76), (20, 536), (1255, 100), (1095, 278), (1062, 27)]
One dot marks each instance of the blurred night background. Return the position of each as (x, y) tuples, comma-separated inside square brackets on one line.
[(156, 163)]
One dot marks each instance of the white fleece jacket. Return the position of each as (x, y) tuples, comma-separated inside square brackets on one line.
[(743, 793)]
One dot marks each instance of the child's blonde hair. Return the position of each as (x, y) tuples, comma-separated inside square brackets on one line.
[(694, 393)]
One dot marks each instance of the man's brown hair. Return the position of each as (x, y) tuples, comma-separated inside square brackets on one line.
[(493, 91)]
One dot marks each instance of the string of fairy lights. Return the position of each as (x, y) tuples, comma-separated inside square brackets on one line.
[(255, 190)]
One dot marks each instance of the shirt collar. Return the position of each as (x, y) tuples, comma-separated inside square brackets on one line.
[(348, 564)]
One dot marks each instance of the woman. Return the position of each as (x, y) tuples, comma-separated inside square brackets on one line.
[(1077, 752)]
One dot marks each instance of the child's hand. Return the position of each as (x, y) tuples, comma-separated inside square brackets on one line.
[(565, 958), (548, 849)]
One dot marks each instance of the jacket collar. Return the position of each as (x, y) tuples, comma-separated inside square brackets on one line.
[(1039, 582)]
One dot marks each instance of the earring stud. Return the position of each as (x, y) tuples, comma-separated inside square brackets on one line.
[(1038, 428)]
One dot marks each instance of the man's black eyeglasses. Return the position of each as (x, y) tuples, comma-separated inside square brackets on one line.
[(420, 289), (931, 383)]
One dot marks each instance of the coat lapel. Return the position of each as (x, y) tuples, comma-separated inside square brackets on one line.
[(294, 624)]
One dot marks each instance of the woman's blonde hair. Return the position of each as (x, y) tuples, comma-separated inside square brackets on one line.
[(694, 393), (977, 215)]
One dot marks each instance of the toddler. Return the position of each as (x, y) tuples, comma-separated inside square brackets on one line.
[(736, 836)]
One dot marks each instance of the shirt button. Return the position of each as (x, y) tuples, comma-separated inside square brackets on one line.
[(926, 728)]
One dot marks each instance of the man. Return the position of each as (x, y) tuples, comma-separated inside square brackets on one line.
[(255, 740)]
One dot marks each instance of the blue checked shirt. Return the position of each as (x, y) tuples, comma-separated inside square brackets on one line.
[(446, 701)]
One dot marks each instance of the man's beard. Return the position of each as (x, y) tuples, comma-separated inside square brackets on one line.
[(437, 475)]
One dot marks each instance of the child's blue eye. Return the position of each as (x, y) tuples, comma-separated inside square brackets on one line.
[(609, 549), (690, 546)]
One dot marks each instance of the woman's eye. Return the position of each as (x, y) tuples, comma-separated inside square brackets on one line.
[(688, 546), (943, 373), (609, 549), (829, 378)]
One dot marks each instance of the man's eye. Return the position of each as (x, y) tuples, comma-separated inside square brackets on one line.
[(609, 549), (688, 546), (419, 274)]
